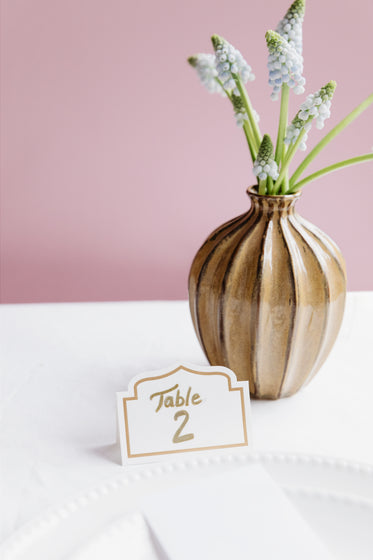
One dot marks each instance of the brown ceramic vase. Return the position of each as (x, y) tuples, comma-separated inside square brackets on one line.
[(267, 294)]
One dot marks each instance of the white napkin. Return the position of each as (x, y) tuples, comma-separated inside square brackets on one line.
[(128, 537), (239, 514)]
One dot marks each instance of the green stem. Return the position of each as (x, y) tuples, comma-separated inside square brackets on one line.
[(283, 122), (285, 184), (329, 169), (250, 140), (249, 110), (269, 185), (246, 125), (289, 156), (336, 130), (262, 186)]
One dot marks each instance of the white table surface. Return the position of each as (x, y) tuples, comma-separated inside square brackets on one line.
[(61, 365)]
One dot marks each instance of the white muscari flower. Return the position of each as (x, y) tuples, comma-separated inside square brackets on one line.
[(240, 111), (317, 106), (240, 118), (256, 116), (290, 27), (205, 65), (265, 165), (285, 65), (230, 63)]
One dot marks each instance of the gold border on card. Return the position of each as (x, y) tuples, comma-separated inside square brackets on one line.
[(223, 446)]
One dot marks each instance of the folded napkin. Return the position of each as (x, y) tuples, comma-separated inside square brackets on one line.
[(239, 514), (128, 537)]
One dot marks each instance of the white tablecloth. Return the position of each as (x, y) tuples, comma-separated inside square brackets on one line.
[(61, 365)]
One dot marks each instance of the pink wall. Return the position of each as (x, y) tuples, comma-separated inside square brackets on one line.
[(116, 163)]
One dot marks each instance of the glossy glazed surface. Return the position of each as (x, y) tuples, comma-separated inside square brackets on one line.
[(267, 294)]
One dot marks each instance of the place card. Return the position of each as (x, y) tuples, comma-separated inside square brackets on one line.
[(182, 409)]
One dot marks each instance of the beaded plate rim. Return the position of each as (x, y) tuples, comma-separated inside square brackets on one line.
[(27, 533)]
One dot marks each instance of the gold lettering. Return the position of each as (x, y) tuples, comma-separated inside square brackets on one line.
[(179, 399), (160, 395), (168, 402), (196, 399), (178, 438)]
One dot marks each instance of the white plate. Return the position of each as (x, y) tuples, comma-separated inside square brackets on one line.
[(335, 497)]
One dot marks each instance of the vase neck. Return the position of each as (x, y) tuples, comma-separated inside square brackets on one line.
[(283, 205)]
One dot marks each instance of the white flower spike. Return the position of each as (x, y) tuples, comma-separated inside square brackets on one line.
[(317, 106), (265, 165), (290, 27), (205, 65), (230, 63), (285, 65), (226, 72), (240, 111)]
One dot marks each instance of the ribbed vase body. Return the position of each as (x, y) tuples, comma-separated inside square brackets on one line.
[(267, 294)]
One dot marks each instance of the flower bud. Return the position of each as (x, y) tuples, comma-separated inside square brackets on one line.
[(205, 65), (265, 165), (230, 63), (285, 65)]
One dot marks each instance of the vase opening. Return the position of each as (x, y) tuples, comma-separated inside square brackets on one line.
[(282, 203), (253, 191)]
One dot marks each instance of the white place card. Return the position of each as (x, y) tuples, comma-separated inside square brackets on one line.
[(182, 409)]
